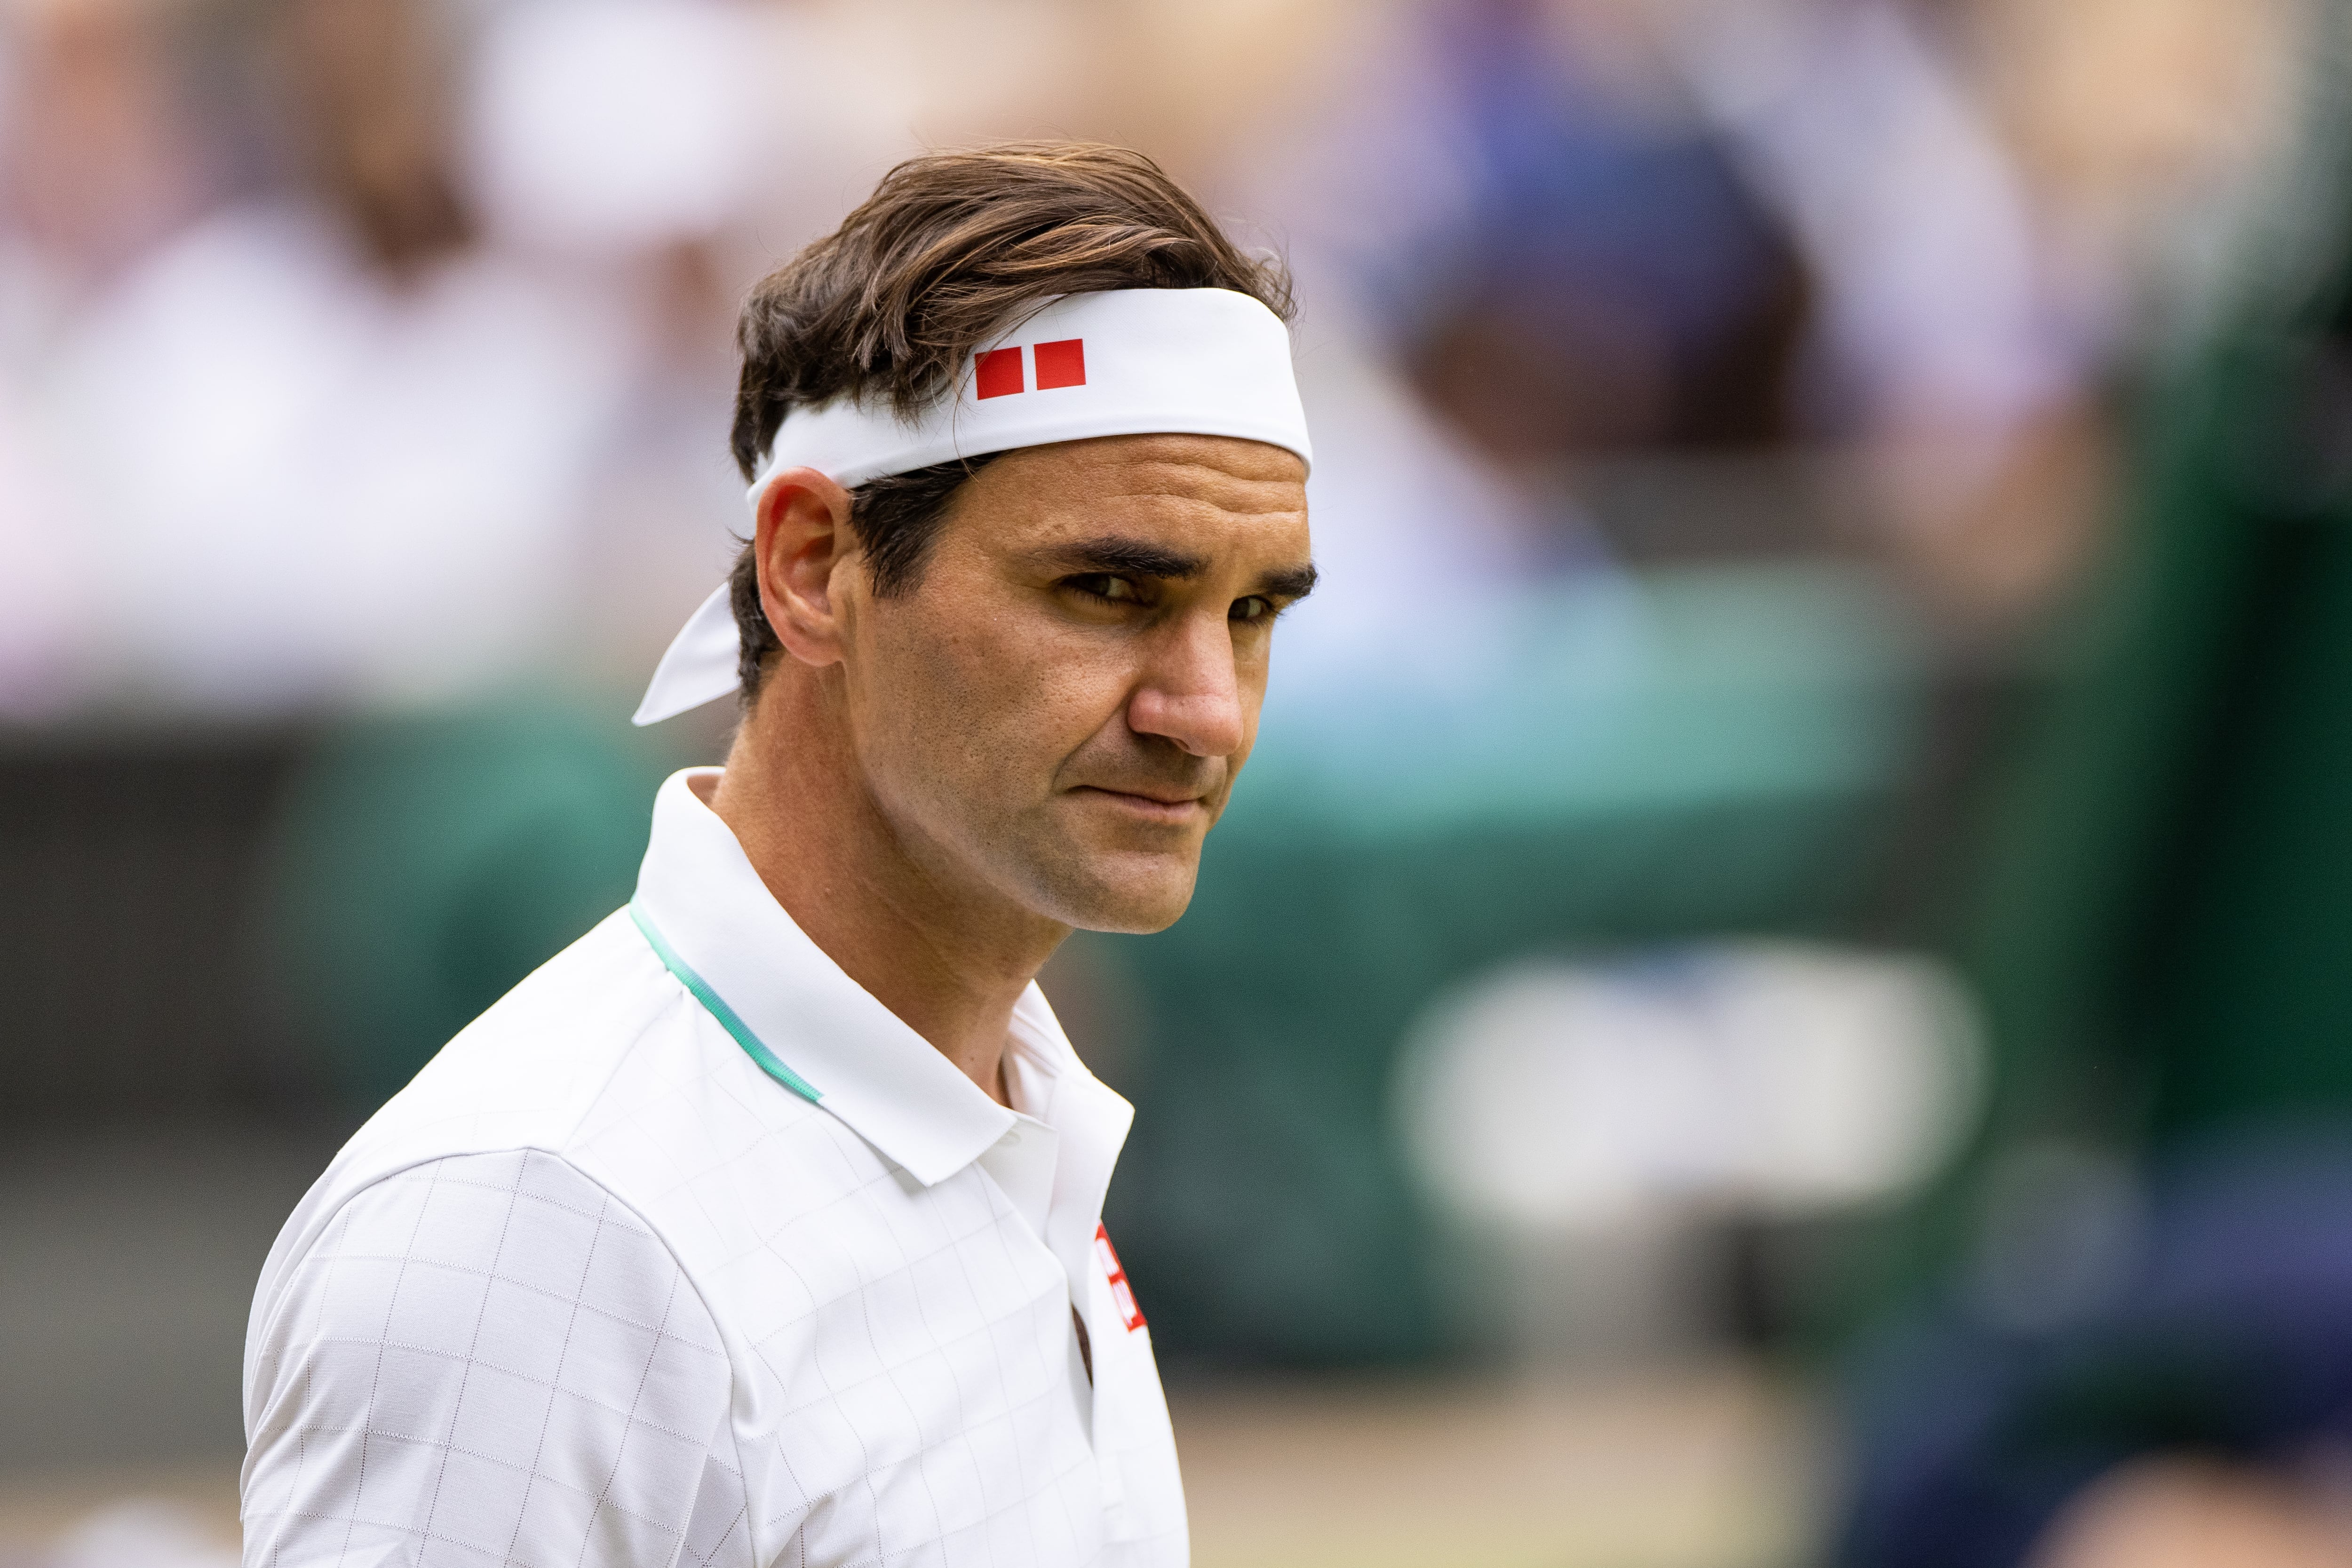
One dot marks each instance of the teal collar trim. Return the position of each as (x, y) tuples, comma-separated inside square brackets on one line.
[(716, 1007)]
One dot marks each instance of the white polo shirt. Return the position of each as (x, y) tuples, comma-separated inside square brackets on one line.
[(598, 1289)]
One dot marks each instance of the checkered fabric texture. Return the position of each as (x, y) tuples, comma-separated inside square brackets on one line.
[(595, 1293)]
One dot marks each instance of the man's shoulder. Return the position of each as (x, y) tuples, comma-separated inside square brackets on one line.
[(531, 1071), (528, 1074), (602, 1061)]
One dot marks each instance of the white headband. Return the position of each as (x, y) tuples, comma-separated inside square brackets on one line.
[(1130, 362)]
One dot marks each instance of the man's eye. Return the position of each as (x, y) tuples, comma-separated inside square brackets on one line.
[(1256, 607), (1101, 585)]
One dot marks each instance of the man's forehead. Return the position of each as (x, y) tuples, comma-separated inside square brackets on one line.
[(1206, 480), (1146, 463)]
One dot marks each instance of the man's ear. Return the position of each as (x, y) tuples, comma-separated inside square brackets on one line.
[(802, 544)]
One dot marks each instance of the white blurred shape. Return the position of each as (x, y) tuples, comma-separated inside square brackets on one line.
[(617, 125), (1764, 1079), (309, 483), (47, 593), (141, 1533)]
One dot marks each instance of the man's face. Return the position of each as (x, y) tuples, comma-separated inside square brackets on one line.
[(1058, 707)]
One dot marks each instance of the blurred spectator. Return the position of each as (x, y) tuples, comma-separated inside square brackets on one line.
[(1615, 285), (418, 323), (101, 157), (1682, 224), (1555, 259), (1587, 227), (314, 444), (2141, 131), (104, 156)]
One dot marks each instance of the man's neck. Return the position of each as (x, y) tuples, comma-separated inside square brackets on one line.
[(950, 960)]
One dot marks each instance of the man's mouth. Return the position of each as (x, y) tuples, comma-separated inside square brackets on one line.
[(1161, 804)]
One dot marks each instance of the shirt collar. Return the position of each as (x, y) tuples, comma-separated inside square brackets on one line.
[(1090, 1118), (886, 1082)]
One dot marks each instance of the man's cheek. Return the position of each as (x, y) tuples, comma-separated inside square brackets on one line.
[(1072, 692)]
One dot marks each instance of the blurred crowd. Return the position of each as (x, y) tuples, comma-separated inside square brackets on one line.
[(369, 352), (1704, 392)]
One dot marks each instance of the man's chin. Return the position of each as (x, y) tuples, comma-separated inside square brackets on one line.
[(1131, 894)]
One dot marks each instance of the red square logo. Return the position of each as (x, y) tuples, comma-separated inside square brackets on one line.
[(1123, 1295), (1062, 363), (997, 373)]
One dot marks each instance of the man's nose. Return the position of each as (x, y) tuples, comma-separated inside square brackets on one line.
[(1192, 693)]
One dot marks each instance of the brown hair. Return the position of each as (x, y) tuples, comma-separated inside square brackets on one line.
[(950, 250)]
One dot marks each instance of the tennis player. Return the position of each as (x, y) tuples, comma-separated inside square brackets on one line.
[(762, 1224)]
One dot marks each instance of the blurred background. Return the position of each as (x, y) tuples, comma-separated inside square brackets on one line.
[(1780, 988)]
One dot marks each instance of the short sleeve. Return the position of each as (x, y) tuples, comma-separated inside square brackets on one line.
[(487, 1360)]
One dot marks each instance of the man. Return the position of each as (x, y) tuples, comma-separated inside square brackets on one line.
[(762, 1225)]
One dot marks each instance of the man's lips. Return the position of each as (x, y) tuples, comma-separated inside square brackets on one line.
[(1168, 804)]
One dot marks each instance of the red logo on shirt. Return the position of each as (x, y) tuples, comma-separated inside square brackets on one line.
[(1121, 1295), (997, 372)]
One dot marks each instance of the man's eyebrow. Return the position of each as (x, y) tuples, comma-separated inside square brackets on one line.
[(1291, 582), (1112, 552), (1131, 557)]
